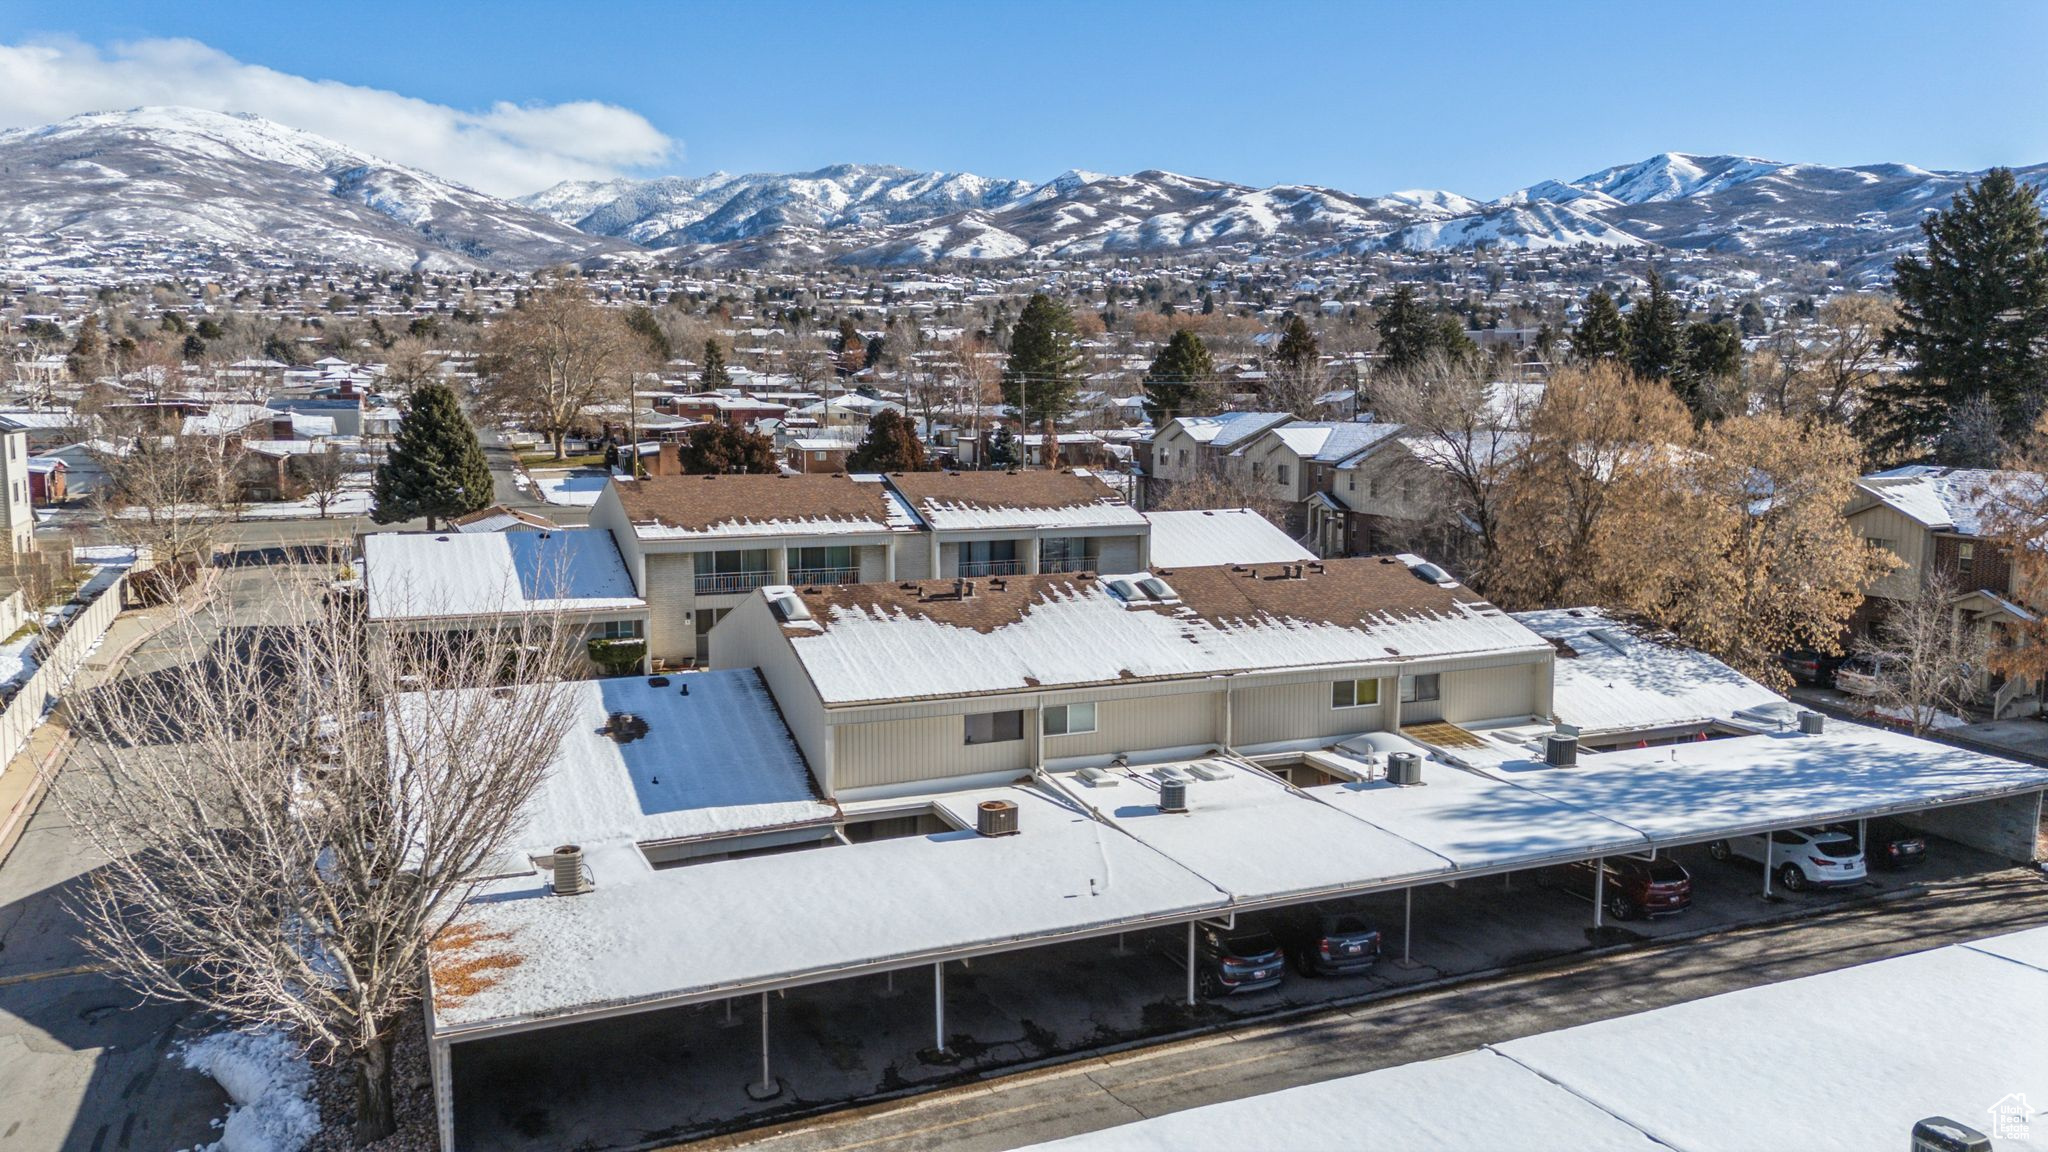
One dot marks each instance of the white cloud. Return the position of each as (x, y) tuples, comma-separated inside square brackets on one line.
[(508, 149)]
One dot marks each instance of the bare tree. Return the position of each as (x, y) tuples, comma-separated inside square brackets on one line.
[(1468, 431), (1928, 656), (324, 474), (558, 357), (167, 496), (1217, 490), (291, 818)]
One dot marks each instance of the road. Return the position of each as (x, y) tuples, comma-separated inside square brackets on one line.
[(83, 1064), (1090, 1094)]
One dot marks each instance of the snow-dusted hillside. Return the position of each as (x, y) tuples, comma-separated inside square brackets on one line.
[(244, 183)]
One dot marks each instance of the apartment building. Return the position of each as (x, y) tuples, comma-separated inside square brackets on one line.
[(18, 518), (893, 687), (697, 546)]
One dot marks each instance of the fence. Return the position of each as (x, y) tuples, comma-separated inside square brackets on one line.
[(59, 664)]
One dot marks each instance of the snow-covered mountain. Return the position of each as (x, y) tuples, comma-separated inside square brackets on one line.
[(247, 184), (241, 183)]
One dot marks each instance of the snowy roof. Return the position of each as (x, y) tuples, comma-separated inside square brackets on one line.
[(1229, 429), (499, 518), (1697, 790), (968, 501), (871, 642), (681, 933), (1610, 676), (414, 575), (721, 507), (226, 420), (1207, 536), (1946, 499), (1688, 1076), (1253, 836), (1328, 441), (714, 762)]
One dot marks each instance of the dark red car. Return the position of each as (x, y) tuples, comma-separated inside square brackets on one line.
[(1634, 887)]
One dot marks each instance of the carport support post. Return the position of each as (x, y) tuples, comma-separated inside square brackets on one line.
[(1191, 963), (1407, 925), (767, 1089), (1767, 864), (939, 1006), (1599, 891), (1862, 829)]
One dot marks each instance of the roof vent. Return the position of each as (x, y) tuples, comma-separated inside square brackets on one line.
[(788, 607), (1432, 573), (1095, 777), (1170, 772), (1207, 771), (996, 818), (657, 681), (1404, 768), (1812, 723), (1173, 796), (571, 879), (1560, 750), (1156, 588)]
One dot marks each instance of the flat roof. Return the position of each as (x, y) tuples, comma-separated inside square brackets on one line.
[(1845, 1059), (422, 576), (644, 937), (1253, 836), (1193, 539), (715, 762), (1610, 675), (877, 642), (719, 507)]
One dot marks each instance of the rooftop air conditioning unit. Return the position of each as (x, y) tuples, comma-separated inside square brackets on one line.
[(1404, 768), (1173, 796), (570, 879), (1560, 750), (996, 818), (1812, 723)]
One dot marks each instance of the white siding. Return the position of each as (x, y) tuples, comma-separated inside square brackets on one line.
[(1486, 694), (1142, 724), (671, 594), (1266, 714), (1117, 554), (874, 564), (914, 557), (867, 755)]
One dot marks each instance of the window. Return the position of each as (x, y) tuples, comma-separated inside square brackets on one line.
[(1880, 542), (994, 727), (1068, 719), (1420, 689), (1183, 457), (828, 565), (1281, 473), (1351, 482), (989, 558), (1966, 558), (1408, 491), (619, 630), (1373, 488), (1066, 554), (1354, 693)]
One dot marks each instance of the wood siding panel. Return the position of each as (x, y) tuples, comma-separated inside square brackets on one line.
[(671, 595), (1296, 712), (1140, 725), (1485, 694), (1908, 539), (928, 748)]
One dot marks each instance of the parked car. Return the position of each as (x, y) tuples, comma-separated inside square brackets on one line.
[(1800, 858), (1244, 959), (1634, 887), (1329, 941), (1809, 667), (1890, 844), (1862, 674)]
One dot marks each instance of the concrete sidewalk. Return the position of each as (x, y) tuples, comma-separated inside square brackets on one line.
[(25, 779)]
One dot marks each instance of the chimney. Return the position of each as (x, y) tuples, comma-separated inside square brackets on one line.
[(996, 818), (668, 461), (569, 877)]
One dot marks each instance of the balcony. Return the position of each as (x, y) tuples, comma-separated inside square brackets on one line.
[(808, 576), (1066, 564), (720, 583), (969, 568)]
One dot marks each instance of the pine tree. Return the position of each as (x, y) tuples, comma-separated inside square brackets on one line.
[(714, 375), (1973, 316), (719, 447), (1044, 367), (1655, 342), (1002, 447), (436, 468), (889, 445), (1297, 351), (1178, 379), (1601, 335), (1711, 359), (1406, 331), (88, 358)]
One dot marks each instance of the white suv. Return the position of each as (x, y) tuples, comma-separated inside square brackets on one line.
[(1800, 858)]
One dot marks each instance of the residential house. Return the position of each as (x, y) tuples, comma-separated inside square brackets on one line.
[(1020, 523), (17, 516), (1192, 446), (1281, 463), (46, 480)]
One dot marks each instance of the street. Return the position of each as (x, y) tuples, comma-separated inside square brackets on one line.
[(1096, 1092)]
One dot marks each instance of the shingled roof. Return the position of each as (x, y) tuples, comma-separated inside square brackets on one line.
[(968, 500), (668, 506)]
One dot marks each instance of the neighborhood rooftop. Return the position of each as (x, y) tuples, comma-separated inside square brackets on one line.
[(869, 642), (412, 575), (1208, 536), (676, 507), (997, 500)]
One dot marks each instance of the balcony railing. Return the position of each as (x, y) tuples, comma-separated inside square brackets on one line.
[(802, 576), (1066, 564), (716, 583), (991, 567)]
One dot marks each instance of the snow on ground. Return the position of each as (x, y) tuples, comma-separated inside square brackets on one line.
[(349, 502), (16, 661), (269, 1082), (578, 489), (1905, 716)]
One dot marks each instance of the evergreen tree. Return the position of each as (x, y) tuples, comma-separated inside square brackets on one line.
[(714, 374), (645, 326), (436, 468), (1178, 379), (1601, 335), (1655, 342), (1711, 359), (1751, 320), (1297, 351), (1406, 330), (889, 445), (719, 447), (1002, 447), (1973, 316), (1044, 367), (88, 358)]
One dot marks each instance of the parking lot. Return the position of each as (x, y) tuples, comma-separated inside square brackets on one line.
[(851, 1040)]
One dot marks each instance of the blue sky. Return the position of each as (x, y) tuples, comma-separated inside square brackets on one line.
[(1477, 98)]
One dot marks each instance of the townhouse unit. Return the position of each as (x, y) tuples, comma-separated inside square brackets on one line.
[(1192, 446), (893, 688), (697, 546), (1282, 463)]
